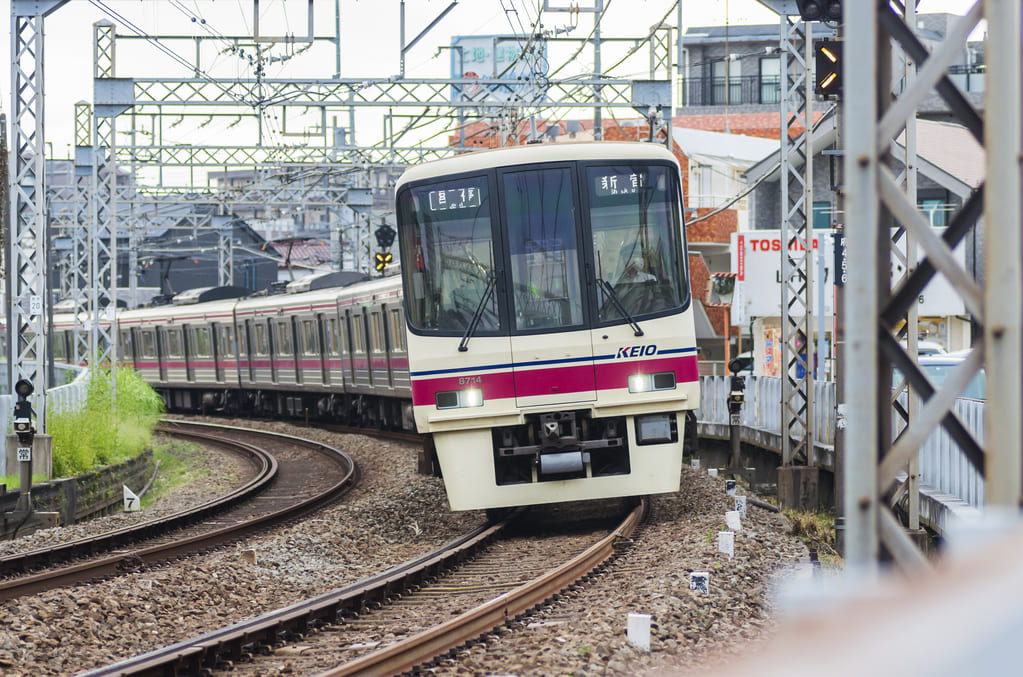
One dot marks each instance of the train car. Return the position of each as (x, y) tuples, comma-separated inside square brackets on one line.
[(551, 345)]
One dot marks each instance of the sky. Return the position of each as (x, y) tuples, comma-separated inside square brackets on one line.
[(370, 40)]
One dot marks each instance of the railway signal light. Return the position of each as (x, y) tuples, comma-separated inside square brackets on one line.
[(385, 236), (382, 261), (820, 10), (22, 424), (828, 64)]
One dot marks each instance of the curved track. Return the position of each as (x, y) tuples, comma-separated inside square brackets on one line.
[(482, 556), (291, 476)]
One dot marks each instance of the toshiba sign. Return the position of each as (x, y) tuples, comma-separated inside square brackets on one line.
[(756, 260)]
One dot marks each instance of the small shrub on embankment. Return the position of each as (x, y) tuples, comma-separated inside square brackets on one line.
[(114, 425)]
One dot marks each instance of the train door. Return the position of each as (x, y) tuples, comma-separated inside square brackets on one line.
[(348, 350), (271, 346), (397, 353), (189, 336), (220, 350), (552, 363), (379, 369), (360, 349), (245, 350), (161, 352), (332, 350), (323, 336)]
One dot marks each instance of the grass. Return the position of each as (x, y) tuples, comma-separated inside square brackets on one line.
[(817, 530), (114, 425), (14, 481), (175, 469)]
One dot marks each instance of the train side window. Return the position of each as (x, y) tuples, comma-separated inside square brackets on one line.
[(285, 344), (261, 342), (174, 344), (358, 335), (126, 344), (397, 330), (199, 342), (332, 338), (376, 340), (59, 349), (225, 340), (243, 349), (148, 343), (310, 340)]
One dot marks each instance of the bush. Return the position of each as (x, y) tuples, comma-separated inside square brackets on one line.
[(107, 429)]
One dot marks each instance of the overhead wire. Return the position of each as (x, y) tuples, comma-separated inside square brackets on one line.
[(130, 25)]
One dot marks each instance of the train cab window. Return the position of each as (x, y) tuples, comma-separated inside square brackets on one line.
[(148, 343), (446, 230), (543, 244), (637, 246), (310, 339)]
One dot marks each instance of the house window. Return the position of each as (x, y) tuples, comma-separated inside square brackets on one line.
[(770, 80), (727, 84), (936, 211)]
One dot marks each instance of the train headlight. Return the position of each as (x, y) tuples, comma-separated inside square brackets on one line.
[(456, 399), (645, 383)]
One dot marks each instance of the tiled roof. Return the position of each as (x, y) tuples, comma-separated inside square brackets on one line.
[(305, 253)]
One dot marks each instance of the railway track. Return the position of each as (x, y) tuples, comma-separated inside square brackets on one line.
[(290, 478), (457, 592)]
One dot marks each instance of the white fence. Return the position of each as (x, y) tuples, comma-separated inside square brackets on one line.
[(943, 466)]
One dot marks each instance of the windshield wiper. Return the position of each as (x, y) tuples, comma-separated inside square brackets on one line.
[(471, 329), (609, 290)]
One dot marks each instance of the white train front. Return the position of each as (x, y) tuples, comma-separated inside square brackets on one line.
[(541, 335), (550, 335)]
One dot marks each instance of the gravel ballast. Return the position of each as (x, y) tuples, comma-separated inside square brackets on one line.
[(394, 515)]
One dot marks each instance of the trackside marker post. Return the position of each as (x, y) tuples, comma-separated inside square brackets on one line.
[(639, 630)]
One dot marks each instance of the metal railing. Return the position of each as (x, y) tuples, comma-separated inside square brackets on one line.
[(943, 466), (735, 91)]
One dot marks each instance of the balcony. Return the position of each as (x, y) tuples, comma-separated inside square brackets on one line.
[(739, 91)]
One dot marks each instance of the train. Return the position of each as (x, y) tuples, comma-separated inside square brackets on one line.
[(539, 334)]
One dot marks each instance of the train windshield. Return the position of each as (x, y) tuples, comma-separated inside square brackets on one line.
[(636, 240), (447, 228), (543, 245)]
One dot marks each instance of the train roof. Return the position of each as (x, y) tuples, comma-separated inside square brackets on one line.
[(538, 152), (180, 313)]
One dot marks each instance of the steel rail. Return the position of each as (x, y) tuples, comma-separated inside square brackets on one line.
[(436, 641), (191, 656), (129, 560)]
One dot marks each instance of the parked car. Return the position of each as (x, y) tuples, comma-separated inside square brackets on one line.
[(938, 367)]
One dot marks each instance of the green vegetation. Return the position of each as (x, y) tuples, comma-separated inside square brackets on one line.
[(817, 530), (176, 469), (14, 481), (104, 431)]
